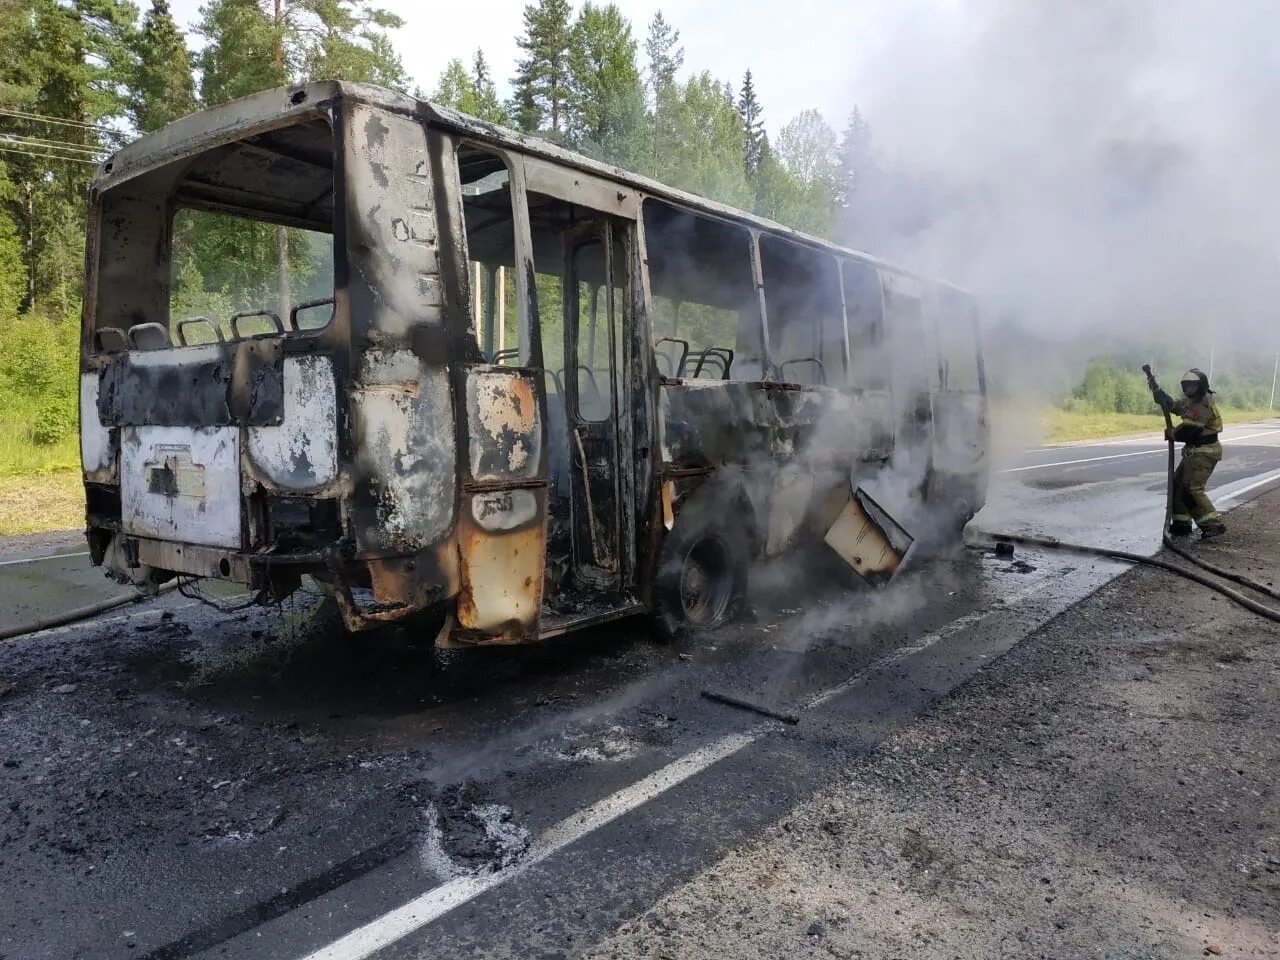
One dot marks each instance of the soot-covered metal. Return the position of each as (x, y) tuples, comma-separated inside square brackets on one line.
[(542, 381)]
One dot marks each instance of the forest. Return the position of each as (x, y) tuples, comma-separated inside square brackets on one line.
[(82, 77)]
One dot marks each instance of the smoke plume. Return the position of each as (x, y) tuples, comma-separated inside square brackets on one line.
[(1109, 164)]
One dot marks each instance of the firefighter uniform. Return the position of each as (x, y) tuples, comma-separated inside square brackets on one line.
[(1201, 452)]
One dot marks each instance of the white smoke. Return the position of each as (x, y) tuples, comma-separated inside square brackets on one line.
[(1107, 163)]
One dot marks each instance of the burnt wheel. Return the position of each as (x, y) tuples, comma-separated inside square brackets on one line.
[(702, 577)]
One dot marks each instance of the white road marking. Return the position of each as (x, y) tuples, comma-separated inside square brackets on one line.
[(438, 901), (1065, 463), (52, 556), (1037, 584), (1134, 453), (1230, 493), (435, 903)]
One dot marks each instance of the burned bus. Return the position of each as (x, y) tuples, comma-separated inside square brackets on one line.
[(438, 366)]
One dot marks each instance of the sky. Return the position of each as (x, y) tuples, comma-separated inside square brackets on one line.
[(803, 54)]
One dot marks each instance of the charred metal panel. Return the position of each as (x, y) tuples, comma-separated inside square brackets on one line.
[(403, 426), (392, 235), (193, 560), (302, 452), (209, 385), (708, 423), (581, 188), (98, 442), (500, 546), (505, 436), (790, 500), (181, 483), (132, 247), (716, 422)]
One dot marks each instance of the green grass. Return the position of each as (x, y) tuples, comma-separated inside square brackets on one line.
[(40, 486), (19, 457), (1063, 425)]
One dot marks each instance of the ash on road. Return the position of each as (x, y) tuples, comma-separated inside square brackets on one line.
[(1106, 789)]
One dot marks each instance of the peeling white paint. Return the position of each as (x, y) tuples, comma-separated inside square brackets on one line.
[(302, 452), (404, 424), (97, 452), (203, 505), (503, 509), (505, 442), (176, 356)]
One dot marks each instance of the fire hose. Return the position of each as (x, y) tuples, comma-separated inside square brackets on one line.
[(1236, 596)]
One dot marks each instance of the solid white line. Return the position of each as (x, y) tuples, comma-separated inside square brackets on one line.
[(438, 901), (1248, 436), (1037, 584), (52, 556), (1135, 453), (1230, 495), (1065, 463)]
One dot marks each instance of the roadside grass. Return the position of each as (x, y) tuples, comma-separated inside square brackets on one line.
[(40, 486), (1063, 425)]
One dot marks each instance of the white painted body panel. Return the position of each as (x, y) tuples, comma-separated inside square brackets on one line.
[(96, 450), (302, 452), (202, 505)]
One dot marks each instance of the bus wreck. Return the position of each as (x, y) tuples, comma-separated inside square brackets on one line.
[(486, 376)]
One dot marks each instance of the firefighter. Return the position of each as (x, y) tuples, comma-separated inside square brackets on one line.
[(1201, 451)]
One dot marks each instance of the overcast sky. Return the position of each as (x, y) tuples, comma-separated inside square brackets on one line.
[(803, 53)]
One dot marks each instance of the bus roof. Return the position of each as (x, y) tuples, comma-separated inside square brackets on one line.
[(282, 106)]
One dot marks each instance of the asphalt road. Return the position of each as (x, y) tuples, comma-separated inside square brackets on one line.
[(178, 782)]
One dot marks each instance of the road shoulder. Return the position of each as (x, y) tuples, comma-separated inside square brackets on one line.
[(1106, 788)]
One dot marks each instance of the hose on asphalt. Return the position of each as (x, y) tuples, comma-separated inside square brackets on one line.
[(79, 613), (1236, 596), (1047, 543)]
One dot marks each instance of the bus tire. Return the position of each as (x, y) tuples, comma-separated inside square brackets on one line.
[(702, 576)]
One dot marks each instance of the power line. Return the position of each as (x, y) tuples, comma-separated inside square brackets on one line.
[(56, 144), (47, 156), (23, 115)]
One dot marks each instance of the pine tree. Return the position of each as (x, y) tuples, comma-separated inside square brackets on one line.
[(243, 52), (163, 87), (855, 163), (542, 79), (253, 45), (754, 140), (69, 62), (488, 106), (666, 57)]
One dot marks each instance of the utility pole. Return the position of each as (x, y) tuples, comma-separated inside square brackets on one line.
[(1274, 370), (1211, 364), (283, 285)]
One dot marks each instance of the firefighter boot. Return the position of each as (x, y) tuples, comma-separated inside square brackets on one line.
[(1180, 528), (1214, 528)]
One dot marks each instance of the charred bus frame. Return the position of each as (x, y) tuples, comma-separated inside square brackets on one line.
[(689, 386)]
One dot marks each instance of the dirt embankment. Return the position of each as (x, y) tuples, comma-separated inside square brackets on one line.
[(1107, 789)]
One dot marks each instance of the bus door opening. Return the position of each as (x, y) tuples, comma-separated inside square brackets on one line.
[(593, 301)]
